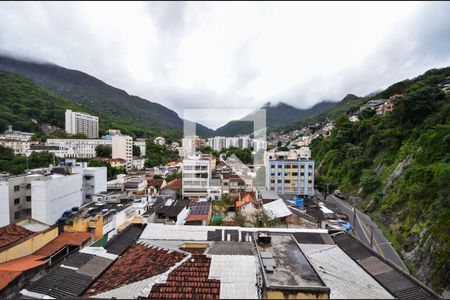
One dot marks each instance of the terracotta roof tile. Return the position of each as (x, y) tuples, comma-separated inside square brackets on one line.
[(12, 233), (6, 277), (246, 199), (189, 281), (196, 218), (175, 184), (64, 239), (137, 263), (23, 263)]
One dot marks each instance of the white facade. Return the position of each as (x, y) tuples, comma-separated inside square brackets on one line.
[(11, 134), (303, 153), (77, 122), (15, 198), (76, 148), (138, 163), (259, 144), (196, 177), (94, 182), (54, 194), (122, 147), (19, 147)]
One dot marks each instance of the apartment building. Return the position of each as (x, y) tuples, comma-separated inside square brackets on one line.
[(15, 198), (78, 122), (76, 148), (122, 147), (196, 176), (18, 146), (55, 194), (290, 176), (11, 134)]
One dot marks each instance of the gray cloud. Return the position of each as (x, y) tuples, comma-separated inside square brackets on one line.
[(217, 55)]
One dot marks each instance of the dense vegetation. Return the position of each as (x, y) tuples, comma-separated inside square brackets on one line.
[(399, 165), (116, 109), (17, 164), (158, 155)]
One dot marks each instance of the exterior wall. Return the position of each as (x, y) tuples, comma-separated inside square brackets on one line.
[(290, 176), (19, 147), (293, 295), (196, 176), (77, 148), (142, 146), (83, 224), (122, 147), (29, 246), (94, 182), (8, 194), (55, 194), (77, 122)]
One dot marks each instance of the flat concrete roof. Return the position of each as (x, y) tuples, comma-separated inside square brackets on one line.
[(291, 268)]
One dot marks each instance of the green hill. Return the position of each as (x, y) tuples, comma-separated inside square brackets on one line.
[(399, 166), (144, 118)]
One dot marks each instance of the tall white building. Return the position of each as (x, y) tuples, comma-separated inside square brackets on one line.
[(53, 195), (196, 177), (122, 147), (78, 122)]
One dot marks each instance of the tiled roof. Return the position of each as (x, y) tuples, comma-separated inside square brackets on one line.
[(24, 263), (175, 184), (171, 164), (6, 277), (64, 239), (138, 263), (189, 281), (153, 182), (12, 233), (247, 199)]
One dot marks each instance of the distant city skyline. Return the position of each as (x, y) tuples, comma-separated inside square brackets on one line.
[(233, 55)]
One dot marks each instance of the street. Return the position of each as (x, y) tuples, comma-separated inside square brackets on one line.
[(362, 229)]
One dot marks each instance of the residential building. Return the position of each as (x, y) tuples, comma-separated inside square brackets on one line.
[(215, 188), (19, 147), (78, 122), (76, 148), (200, 211), (233, 185), (159, 141), (11, 134), (122, 147), (259, 144), (136, 185), (290, 176), (41, 147), (118, 163), (55, 194), (94, 182), (142, 146), (15, 198), (196, 176), (353, 118), (172, 189), (138, 163)]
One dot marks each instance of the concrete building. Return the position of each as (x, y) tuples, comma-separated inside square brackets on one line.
[(76, 148), (54, 194), (122, 147), (18, 146), (138, 163), (15, 198), (142, 146), (290, 176), (196, 177), (78, 122), (94, 182), (11, 134)]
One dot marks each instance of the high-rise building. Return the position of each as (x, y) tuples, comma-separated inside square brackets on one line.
[(196, 176), (290, 176), (78, 122), (122, 147)]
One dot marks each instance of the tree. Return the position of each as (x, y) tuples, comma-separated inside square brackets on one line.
[(79, 136), (104, 151), (265, 219), (136, 151), (239, 219), (111, 171)]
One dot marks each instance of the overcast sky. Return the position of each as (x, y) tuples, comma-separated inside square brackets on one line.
[(234, 55)]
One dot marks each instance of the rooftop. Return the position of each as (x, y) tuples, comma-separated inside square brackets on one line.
[(12, 233), (174, 184), (64, 239), (285, 265)]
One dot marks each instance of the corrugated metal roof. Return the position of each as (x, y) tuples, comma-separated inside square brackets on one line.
[(237, 275), (95, 266), (277, 209), (313, 238), (121, 242), (333, 266), (399, 284)]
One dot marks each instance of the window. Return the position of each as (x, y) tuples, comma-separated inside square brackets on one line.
[(28, 186), (17, 215), (28, 198), (16, 201), (294, 173), (16, 188)]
